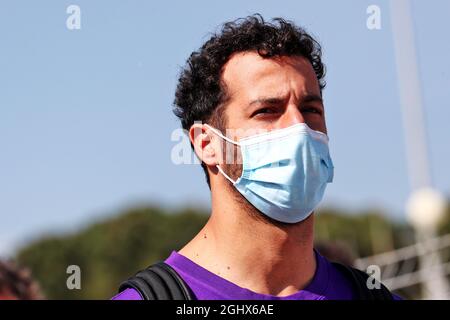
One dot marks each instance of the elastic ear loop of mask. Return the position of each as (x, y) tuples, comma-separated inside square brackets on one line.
[(227, 139)]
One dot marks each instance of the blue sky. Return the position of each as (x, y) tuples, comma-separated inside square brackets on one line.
[(85, 115)]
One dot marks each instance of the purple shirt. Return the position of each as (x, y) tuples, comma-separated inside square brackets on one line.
[(328, 283)]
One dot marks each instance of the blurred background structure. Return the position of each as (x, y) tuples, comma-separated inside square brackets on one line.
[(86, 127), (426, 206)]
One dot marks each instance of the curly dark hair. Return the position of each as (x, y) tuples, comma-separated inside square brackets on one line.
[(17, 280), (201, 93)]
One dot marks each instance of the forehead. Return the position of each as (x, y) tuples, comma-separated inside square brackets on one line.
[(248, 74)]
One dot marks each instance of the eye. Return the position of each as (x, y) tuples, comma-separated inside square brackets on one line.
[(263, 111), (312, 110)]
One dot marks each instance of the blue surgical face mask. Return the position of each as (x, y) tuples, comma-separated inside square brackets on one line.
[(284, 172)]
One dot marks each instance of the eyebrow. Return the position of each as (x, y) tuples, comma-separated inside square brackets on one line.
[(267, 100), (279, 99), (312, 98)]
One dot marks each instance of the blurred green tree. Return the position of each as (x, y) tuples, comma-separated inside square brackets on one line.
[(109, 251)]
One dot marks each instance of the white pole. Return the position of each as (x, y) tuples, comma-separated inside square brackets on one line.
[(424, 221)]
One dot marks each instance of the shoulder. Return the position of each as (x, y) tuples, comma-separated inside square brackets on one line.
[(360, 282), (340, 285)]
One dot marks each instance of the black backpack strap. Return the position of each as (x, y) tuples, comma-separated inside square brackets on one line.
[(159, 282), (359, 281)]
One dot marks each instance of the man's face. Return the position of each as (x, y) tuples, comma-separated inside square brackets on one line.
[(272, 93), (268, 94)]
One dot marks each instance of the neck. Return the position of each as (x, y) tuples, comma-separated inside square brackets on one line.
[(266, 258)]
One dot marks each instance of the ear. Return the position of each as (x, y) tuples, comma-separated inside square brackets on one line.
[(206, 144)]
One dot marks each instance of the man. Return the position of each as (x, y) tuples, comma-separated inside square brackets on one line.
[(16, 283), (251, 101)]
